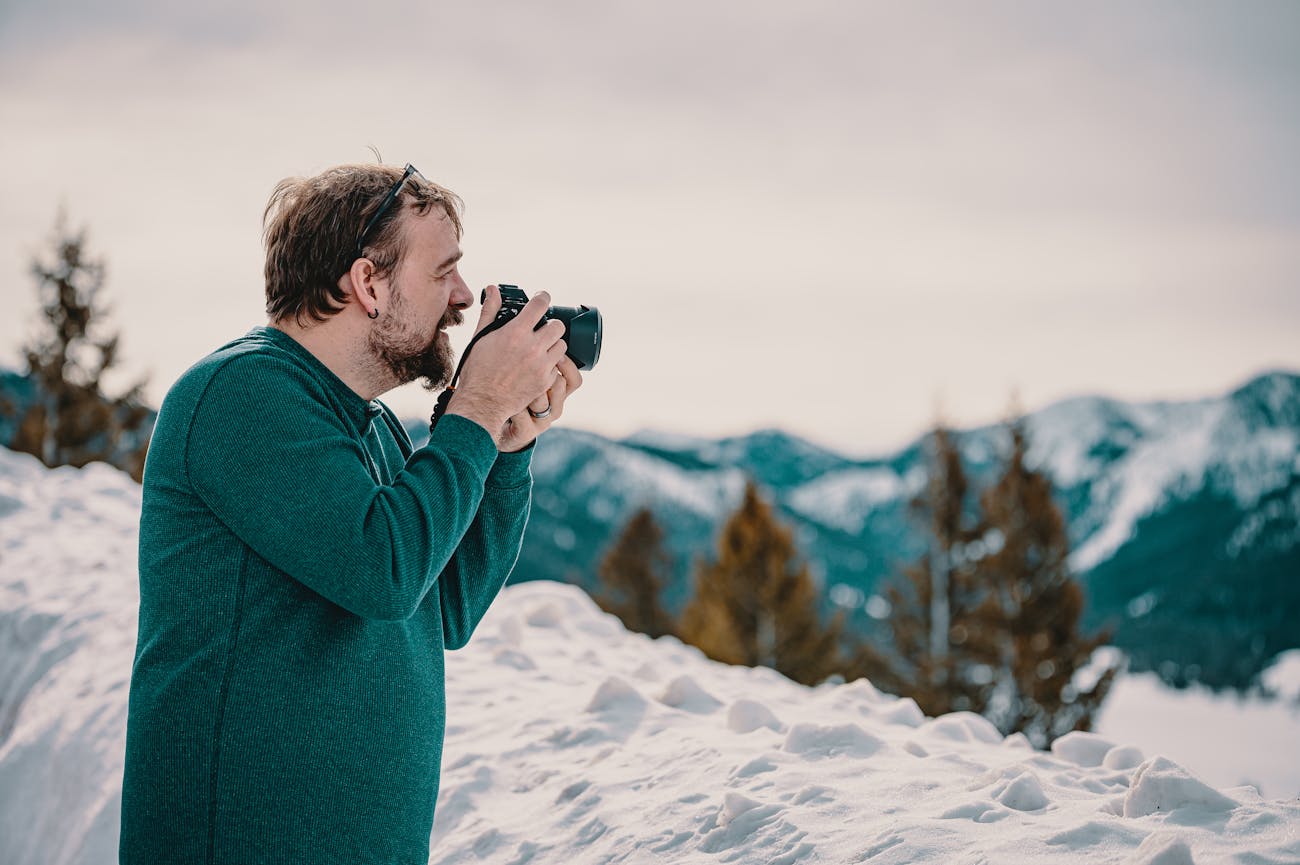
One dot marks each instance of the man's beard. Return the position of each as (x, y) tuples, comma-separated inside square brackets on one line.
[(408, 356)]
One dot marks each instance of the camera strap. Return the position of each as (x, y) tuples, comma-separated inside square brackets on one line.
[(440, 407)]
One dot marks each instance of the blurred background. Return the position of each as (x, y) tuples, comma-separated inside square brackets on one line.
[(832, 244), (826, 217)]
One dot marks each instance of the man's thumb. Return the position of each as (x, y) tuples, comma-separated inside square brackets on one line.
[(491, 305)]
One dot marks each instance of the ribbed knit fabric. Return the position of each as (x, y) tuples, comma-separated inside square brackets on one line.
[(301, 572)]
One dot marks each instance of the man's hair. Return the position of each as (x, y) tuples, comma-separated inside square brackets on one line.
[(312, 224)]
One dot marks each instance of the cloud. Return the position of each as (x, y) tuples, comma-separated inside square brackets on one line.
[(728, 173)]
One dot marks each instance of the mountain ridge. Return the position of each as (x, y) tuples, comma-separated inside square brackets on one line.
[(1212, 484)]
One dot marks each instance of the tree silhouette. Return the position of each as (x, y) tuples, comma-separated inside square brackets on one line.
[(1028, 623), (931, 605), (71, 421), (634, 573), (1000, 582), (756, 605)]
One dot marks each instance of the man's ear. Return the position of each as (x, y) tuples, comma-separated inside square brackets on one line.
[(360, 286)]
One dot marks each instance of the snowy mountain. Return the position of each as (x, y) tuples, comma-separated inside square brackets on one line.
[(1184, 518), (570, 739)]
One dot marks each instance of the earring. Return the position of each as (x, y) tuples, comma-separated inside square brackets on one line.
[(374, 314)]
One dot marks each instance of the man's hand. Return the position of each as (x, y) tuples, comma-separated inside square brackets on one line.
[(522, 428), (513, 368)]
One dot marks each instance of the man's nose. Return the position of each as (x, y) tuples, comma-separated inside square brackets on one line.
[(461, 296)]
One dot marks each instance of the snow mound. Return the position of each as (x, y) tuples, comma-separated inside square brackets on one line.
[(814, 741), (961, 727), (1163, 848), (614, 694), (683, 693), (745, 716), (1085, 749), (1024, 793), (1123, 757), (571, 740), (1160, 784)]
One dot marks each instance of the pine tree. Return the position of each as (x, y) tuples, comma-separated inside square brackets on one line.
[(756, 605), (72, 421), (931, 604), (1028, 622), (634, 573)]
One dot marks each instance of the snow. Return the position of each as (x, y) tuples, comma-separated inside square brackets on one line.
[(1229, 740), (1062, 434), (1170, 459), (639, 477), (570, 739), (1283, 676), (845, 498), (669, 441)]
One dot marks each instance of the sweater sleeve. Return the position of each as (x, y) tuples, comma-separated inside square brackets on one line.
[(278, 465), (489, 550)]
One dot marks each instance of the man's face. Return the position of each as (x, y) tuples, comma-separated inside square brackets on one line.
[(426, 294)]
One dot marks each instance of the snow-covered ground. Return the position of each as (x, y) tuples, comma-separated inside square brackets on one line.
[(571, 740), (1227, 739)]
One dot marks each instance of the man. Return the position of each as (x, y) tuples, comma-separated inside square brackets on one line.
[(302, 567)]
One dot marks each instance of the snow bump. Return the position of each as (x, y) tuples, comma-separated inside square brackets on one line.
[(1123, 757), (615, 693), (686, 694), (546, 616), (904, 712), (746, 716), (1024, 793), (1163, 848), (1162, 785), (1082, 749), (962, 727), (982, 811), (813, 741)]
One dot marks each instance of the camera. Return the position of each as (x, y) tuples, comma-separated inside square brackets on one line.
[(582, 324)]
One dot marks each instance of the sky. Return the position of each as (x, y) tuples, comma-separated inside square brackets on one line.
[(839, 219)]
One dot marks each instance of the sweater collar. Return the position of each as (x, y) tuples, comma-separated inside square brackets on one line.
[(360, 410)]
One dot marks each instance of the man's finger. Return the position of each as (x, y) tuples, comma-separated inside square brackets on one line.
[(559, 390), (552, 330), (540, 404), (491, 306), (534, 309), (569, 371)]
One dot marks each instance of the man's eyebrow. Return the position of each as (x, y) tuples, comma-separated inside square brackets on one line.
[(449, 262)]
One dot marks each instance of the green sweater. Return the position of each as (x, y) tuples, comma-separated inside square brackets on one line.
[(302, 570)]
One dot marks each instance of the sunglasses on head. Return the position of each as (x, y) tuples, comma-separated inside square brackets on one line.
[(387, 203)]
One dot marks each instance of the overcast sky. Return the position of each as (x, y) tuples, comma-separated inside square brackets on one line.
[(825, 217)]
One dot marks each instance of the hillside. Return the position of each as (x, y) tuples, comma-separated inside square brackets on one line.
[(1184, 517), (572, 740)]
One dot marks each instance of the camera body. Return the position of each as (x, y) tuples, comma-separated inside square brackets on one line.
[(582, 324)]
